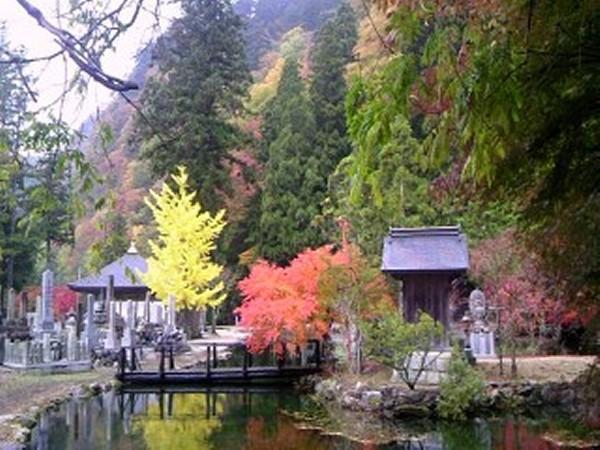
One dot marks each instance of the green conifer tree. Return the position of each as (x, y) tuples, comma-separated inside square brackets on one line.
[(188, 107), (288, 202), (333, 51)]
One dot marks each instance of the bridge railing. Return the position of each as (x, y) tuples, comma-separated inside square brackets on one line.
[(130, 359)]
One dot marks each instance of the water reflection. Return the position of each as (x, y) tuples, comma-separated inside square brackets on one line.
[(240, 420)]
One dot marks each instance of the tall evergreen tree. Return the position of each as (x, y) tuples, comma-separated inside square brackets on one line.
[(188, 106), (289, 200), (333, 51), (17, 247)]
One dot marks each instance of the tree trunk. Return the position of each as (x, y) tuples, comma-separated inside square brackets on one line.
[(213, 325), (513, 357)]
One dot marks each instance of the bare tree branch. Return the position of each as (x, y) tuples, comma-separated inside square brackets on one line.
[(85, 59)]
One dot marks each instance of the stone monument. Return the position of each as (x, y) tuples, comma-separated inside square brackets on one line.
[(481, 338), (47, 306)]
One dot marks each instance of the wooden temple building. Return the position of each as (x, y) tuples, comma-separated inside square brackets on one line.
[(425, 261), (120, 276)]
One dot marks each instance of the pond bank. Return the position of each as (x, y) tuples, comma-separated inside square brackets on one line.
[(396, 403), (24, 396)]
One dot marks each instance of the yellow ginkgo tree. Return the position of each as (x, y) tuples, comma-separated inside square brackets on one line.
[(181, 263)]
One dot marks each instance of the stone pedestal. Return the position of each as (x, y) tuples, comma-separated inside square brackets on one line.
[(435, 366), (47, 357), (482, 344)]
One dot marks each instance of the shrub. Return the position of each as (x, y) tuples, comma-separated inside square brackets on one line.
[(460, 389), (402, 345)]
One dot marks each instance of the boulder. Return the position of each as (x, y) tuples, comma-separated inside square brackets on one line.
[(371, 400)]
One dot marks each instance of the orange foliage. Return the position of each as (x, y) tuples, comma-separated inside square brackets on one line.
[(281, 304), (65, 300)]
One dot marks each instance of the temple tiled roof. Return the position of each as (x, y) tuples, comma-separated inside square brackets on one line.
[(428, 249), (124, 270)]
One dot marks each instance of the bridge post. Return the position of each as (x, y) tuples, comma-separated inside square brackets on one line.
[(208, 361), (161, 404), (169, 404), (215, 359), (122, 361), (132, 364), (208, 401), (281, 358), (161, 366), (245, 362), (171, 359), (318, 354)]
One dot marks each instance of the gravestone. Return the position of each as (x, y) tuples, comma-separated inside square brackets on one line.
[(111, 341), (129, 329), (147, 308), (11, 306), (157, 313), (38, 317), (72, 344), (90, 325), (171, 315), (23, 305), (110, 292), (47, 301)]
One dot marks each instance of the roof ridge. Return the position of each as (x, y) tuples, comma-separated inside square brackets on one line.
[(454, 230)]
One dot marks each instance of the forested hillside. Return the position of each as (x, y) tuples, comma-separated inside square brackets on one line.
[(119, 140), (334, 110)]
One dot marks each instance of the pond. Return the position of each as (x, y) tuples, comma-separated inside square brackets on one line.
[(244, 420)]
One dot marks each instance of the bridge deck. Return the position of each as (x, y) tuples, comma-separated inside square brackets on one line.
[(223, 375)]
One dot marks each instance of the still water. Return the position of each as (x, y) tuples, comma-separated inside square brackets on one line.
[(245, 420)]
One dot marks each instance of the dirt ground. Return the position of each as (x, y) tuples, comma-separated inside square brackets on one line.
[(534, 368), (538, 368)]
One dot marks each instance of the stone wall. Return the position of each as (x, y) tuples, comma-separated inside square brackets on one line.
[(392, 402)]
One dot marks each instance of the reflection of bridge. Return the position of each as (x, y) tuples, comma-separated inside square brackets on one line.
[(130, 395), (286, 369)]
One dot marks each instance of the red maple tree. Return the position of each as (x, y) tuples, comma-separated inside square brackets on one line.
[(281, 304)]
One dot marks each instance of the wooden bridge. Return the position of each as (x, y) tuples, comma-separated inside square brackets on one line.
[(211, 371)]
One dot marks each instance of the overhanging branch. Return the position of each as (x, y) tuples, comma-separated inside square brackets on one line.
[(85, 59)]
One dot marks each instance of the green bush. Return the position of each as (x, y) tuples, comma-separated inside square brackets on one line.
[(460, 389), (404, 346)]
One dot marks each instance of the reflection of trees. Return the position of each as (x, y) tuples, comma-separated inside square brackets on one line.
[(187, 428), (517, 435), (465, 436), (285, 436)]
